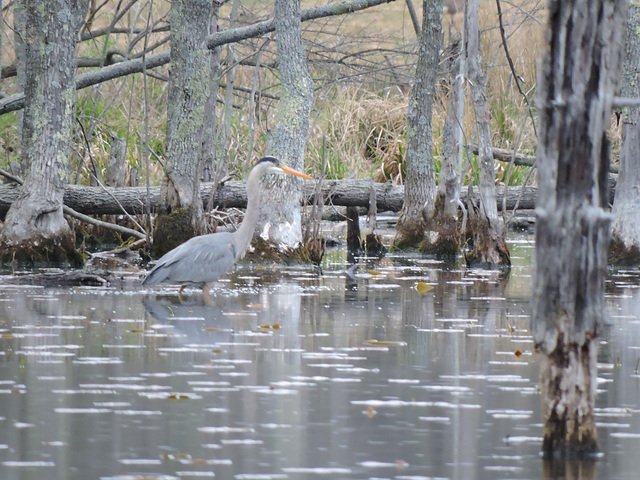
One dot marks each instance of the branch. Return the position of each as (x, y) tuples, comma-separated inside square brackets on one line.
[(516, 77), (16, 102), (621, 102), (504, 155)]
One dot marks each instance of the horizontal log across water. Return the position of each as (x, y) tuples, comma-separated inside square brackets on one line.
[(112, 200)]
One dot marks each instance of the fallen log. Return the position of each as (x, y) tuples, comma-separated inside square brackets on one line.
[(232, 194)]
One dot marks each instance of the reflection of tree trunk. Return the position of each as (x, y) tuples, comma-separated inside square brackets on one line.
[(570, 470), (572, 232), (625, 245), (281, 223), (35, 218), (485, 227), (420, 182), (188, 92)]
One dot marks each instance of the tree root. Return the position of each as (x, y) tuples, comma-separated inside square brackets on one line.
[(41, 251)]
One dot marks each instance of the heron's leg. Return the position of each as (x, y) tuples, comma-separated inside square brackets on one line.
[(206, 293), (180, 292)]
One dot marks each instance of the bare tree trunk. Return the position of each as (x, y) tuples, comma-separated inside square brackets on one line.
[(625, 242), (19, 27), (443, 236), (188, 93), (212, 168), (420, 182), (576, 84), (486, 229), (280, 223), (35, 227)]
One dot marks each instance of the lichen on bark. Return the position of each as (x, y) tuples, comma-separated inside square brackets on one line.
[(420, 183), (280, 224), (35, 226)]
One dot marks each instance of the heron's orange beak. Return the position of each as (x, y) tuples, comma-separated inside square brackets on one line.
[(295, 172)]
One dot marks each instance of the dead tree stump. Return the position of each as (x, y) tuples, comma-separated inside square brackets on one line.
[(572, 232)]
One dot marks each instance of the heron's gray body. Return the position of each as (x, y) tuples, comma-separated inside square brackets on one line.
[(202, 260)]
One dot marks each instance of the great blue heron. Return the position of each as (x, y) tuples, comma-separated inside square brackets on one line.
[(203, 259)]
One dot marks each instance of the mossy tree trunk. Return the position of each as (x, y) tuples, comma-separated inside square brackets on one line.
[(486, 230), (625, 241), (188, 95), (419, 179), (35, 228), (443, 235), (576, 84), (280, 222)]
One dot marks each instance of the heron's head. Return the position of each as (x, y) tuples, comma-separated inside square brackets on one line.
[(272, 165)]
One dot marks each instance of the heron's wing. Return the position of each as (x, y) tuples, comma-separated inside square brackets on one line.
[(202, 259)]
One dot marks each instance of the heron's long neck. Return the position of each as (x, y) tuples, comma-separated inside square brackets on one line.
[(252, 213)]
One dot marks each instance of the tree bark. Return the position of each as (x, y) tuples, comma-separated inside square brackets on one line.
[(625, 242), (420, 181), (188, 93), (577, 80), (20, 50), (213, 168), (35, 218), (443, 235), (280, 224), (485, 227)]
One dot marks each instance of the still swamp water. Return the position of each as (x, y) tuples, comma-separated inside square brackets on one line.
[(344, 372)]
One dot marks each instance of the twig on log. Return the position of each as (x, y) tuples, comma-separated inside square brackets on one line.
[(126, 248)]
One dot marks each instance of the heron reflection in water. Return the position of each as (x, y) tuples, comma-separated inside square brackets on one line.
[(203, 259)]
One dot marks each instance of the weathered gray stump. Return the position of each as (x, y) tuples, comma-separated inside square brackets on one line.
[(625, 231), (576, 85)]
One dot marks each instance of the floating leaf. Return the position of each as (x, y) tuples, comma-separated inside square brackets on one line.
[(518, 353), (422, 287), (370, 412), (385, 343), (276, 326), (374, 272)]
